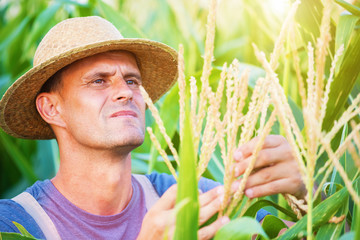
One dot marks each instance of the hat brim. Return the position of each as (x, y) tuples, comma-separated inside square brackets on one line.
[(18, 113)]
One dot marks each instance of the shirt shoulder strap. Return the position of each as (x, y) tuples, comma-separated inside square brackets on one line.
[(32, 207), (151, 196)]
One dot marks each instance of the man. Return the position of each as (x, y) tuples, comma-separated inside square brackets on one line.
[(84, 91)]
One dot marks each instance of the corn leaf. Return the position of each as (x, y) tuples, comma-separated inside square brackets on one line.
[(351, 8), (321, 215), (348, 236), (126, 28), (184, 23), (309, 16), (332, 230), (14, 236), (22, 230), (216, 167), (298, 114), (335, 177), (348, 72), (18, 158), (356, 222), (272, 226), (343, 32), (240, 229), (355, 226), (14, 34), (73, 2), (46, 162), (187, 219), (11, 48), (254, 208), (7, 29), (41, 25)]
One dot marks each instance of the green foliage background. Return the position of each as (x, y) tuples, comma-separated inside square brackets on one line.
[(239, 23)]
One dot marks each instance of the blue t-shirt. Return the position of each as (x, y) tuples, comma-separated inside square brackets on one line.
[(73, 222)]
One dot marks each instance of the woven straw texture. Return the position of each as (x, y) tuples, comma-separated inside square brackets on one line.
[(67, 42)]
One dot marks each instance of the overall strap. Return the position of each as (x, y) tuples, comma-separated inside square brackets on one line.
[(32, 207), (151, 196)]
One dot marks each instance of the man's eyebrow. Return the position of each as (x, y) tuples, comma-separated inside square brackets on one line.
[(98, 74)]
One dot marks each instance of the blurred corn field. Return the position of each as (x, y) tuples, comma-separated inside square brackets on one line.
[(240, 25)]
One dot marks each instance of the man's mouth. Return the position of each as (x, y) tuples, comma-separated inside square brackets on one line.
[(124, 114)]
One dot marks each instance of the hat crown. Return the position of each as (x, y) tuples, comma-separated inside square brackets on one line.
[(74, 33)]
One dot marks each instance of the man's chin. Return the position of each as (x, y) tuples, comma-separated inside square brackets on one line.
[(130, 143), (124, 149)]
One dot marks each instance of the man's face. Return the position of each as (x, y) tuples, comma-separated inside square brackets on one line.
[(101, 102)]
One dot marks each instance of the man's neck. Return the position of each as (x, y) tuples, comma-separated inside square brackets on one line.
[(98, 182)]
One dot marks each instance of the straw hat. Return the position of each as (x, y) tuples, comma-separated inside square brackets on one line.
[(71, 40)]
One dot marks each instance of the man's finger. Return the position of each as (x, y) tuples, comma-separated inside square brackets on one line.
[(157, 223), (266, 157), (207, 211), (247, 149), (209, 231), (284, 185), (209, 196), (272, 173)]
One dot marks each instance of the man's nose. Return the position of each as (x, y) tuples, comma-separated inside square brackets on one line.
[(121, 91)]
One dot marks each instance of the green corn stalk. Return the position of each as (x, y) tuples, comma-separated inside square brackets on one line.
[(187, 219)]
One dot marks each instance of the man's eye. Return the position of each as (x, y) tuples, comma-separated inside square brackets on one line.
[(98, 81), (131, 82)]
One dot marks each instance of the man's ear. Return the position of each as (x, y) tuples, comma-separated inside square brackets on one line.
[(48, 106)]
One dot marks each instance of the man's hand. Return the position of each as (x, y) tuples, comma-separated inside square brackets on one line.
[(160, 219), (275, 170)]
